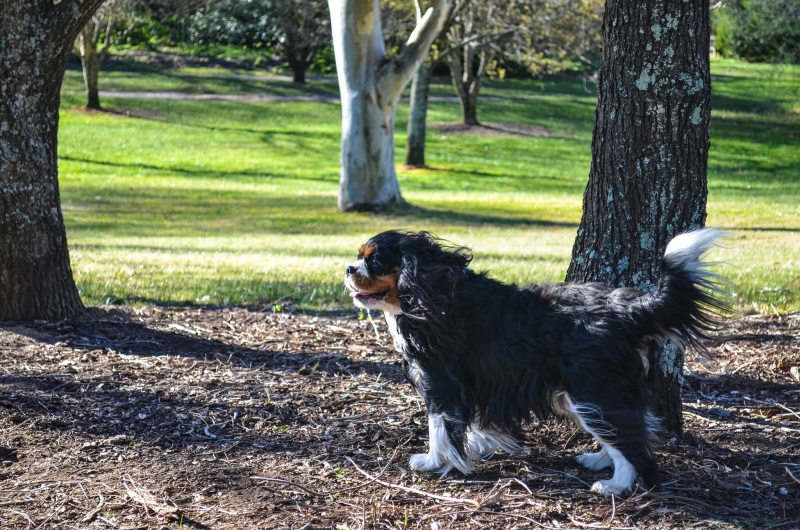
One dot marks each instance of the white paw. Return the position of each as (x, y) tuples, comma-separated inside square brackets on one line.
[(424, 462), (595, 461), (609, 487), (436, 462)]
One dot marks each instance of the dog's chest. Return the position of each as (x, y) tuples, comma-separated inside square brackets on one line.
[(397, 337)]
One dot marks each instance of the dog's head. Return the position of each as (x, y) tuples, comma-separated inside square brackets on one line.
[(407, 272)]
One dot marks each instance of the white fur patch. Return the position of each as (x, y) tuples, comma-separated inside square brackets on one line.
[(685, 250), (623, 478), (624, 472), (441, 457), (595, 461), (484, 443), (390, 314), (361, 265)]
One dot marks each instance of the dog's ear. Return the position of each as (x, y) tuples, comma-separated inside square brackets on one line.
[(426, 287)]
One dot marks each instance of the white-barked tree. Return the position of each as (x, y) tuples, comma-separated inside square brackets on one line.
[(370, 84)]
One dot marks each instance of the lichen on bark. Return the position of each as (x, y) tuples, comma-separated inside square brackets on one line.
[(35, 41)]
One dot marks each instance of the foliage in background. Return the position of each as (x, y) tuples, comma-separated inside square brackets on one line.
[(306, 28), (93, 44), (250, 23), (564, 34), (759, 30)]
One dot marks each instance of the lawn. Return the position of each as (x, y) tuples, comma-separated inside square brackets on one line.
[(212, 202)]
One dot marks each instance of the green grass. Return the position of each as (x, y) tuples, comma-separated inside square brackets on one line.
[(221, 202)]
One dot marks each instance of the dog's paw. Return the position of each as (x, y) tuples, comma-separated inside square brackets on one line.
[(435, 462), (595, 461), (608, 487), (424, 462)]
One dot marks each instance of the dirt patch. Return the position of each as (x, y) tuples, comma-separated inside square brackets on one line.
[(491, 129), (129, 112), (236, 418)]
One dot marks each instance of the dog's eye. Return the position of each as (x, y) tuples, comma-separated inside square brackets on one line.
[(374, 265)]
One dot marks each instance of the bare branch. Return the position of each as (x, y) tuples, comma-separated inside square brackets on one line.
[(396, 74)]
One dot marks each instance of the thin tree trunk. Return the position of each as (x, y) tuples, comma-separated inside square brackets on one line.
[(469, 108), (296, 59), (467, 79), (415, 144), (91, 70), (299, 73), (35, 275), (647, 181)]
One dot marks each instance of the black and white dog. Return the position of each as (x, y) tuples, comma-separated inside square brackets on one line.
[(487, 356)]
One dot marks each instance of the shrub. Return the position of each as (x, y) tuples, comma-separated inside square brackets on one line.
[(759, 30)]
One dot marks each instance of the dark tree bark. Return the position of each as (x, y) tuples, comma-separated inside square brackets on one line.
[(92, 91), (299, 72), (647, 181), (418, 114), (36, 39)]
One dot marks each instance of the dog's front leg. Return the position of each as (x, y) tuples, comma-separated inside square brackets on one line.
[(446, 429)]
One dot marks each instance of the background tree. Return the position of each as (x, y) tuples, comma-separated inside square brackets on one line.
[(370, 84), (306, 30), (555, 34), (478, 31), (92, 51), (759, 30), (36, 39), (647, 181), (418, 116)]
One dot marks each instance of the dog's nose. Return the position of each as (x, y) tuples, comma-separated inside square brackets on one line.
[(350, 270)]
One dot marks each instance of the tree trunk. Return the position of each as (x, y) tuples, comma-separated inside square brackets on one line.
[(370, 85), (418, 113), (647, 181), (296, 59), (467, 78), (299, 73), (35, 275), (91, 69), (469, 108)]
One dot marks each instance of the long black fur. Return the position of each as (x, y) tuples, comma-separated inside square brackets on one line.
[(498, 354)]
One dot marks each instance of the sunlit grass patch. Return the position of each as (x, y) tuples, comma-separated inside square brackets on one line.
[(221, 202)]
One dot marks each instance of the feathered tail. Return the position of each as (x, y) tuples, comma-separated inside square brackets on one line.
[(690, 298)]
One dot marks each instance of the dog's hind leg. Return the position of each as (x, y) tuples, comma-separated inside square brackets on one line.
[(483, 442), (620, 451), (596, 461)]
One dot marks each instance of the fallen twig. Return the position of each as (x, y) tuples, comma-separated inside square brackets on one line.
[(150, 502), (471, 502), (391, 458), (792, 475), (89, 516), (14, 503), (208, 428), (290, 483)]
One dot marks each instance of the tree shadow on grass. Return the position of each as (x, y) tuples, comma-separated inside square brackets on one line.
[(421, 213), (195, 172)]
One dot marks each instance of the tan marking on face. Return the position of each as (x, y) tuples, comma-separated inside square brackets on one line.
[(366, 251)]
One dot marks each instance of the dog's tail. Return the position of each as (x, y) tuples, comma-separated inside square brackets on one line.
[(690, 298)]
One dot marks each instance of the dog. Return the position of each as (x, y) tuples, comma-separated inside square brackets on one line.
[(486, 356)]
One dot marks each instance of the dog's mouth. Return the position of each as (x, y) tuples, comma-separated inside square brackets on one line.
[(362, 296)]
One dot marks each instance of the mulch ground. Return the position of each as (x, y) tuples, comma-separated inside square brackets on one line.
[(234, 418)]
